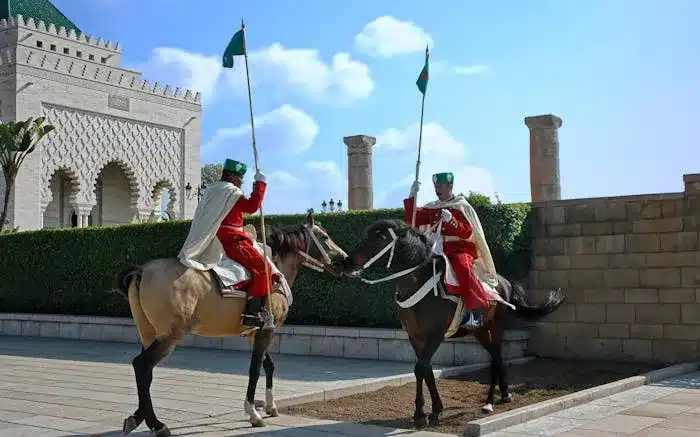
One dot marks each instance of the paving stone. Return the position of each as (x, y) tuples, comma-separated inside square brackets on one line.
[(656, 409), (68, 387), (622, 424)]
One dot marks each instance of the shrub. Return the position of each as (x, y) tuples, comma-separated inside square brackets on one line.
[(67, 271)]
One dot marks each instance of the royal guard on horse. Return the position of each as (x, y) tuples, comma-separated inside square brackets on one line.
[(470, 271), (220, 214)]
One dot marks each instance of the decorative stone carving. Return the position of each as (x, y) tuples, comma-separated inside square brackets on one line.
[(87, 141)]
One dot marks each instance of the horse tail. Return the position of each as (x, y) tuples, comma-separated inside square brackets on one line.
[(123, 279), (526, 311)]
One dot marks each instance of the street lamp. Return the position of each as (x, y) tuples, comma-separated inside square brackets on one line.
[(190, 195), (332, 204)]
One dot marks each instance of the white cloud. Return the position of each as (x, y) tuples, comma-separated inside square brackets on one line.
[(341, 81), (436, 140), (441, 152), (178, 68), (387, 36), (286, 129)]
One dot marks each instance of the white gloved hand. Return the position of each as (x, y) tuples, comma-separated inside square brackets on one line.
[(446, 216), (259, 177), (414, 189)]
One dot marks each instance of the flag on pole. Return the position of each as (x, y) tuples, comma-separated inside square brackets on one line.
[(235, 47), (422, 81)]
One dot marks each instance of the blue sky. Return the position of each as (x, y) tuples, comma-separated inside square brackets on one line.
[(624, 76)]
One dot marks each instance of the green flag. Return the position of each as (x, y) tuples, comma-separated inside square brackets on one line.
[(235, 47), (422, 81)]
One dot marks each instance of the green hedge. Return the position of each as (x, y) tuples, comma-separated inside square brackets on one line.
[(66, 271)]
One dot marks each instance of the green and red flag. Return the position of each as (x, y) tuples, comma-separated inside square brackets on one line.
[(422, 81)]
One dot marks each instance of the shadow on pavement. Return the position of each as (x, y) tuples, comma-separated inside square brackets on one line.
[(298, 368)]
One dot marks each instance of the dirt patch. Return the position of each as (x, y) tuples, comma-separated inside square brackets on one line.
[(463, 396)]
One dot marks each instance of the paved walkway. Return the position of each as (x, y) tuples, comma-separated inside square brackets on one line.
[(52, 388), (669, 408)]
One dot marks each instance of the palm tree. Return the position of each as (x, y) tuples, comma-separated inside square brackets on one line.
[(17, 140)]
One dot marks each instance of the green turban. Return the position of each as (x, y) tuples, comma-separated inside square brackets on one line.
[(235, 167), (443, 178)]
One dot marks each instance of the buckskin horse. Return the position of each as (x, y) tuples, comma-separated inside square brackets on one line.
[(169, 300), (429, 314)]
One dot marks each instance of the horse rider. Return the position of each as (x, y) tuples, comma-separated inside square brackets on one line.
[(463, 242), (239, 246)]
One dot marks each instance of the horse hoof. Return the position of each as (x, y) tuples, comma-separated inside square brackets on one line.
[(420, 422), (130, 424), (434, 419), (163, 432), (272, 412), (506, 399), (257, 423), (488, 408)]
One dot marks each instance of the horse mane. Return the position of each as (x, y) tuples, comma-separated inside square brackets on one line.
[(286, 239), (417, 246)]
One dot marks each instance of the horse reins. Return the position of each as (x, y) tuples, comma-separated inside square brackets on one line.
[(391, 246), (310, 261)]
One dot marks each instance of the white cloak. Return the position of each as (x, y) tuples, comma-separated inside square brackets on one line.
[(202, 249)]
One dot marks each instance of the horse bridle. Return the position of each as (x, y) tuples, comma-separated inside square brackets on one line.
[(391, 246), (310, 261)]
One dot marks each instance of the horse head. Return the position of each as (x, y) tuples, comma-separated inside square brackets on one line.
[(389, 245), (312, 245)]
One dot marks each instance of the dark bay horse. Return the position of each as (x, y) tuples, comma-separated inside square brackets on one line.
[(405, 255), (168, 300)]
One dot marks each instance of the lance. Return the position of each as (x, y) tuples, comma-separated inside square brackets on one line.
[(422, 84)]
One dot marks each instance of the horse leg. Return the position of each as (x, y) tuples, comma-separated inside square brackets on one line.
[(431, 347), (143, 370), (269, 366), (260, 345), (491, 339), (434, 417), (424, 372), (419, 418)]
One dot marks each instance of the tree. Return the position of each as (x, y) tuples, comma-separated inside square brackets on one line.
[(18, 139), (211, 173)]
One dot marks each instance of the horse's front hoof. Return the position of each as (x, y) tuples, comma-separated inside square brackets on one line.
[(420, 422), (434, 419), (506, 399), (272, 411), (257, 422), (163, 431), (130, 424), (488, 408)]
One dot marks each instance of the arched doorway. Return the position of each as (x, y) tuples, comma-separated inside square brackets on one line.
[(63, 186), (113, 193)]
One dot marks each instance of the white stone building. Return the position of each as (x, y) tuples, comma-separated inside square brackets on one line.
[(119, 140)]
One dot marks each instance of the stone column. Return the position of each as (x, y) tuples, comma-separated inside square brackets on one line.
[(83, 213), (544, 157), (359, 171)]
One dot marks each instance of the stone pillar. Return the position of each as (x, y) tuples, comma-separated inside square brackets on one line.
[(83, 212), (360, 171), (692, 184), (544, 157)]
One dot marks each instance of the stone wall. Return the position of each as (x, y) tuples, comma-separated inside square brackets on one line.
[(630, 269)]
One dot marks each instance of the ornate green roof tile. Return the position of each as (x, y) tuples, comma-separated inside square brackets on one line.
[(39, 10)]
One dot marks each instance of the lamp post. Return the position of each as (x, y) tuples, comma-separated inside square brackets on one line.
[(332, 204), (190, 195)]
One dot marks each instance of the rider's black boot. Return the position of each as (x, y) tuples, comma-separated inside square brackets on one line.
[(256, 314)]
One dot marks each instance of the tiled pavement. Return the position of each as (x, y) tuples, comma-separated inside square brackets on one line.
[(669, 408), (52, 388)]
